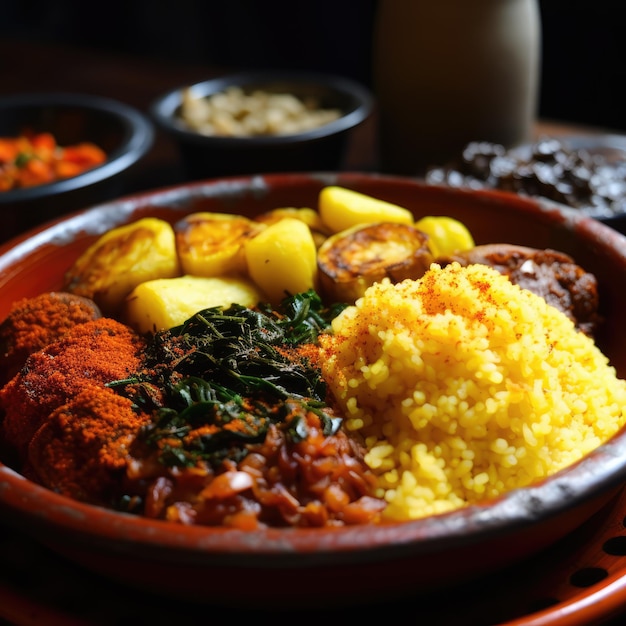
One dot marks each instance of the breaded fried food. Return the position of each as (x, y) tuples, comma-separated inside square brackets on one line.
[(81, 450), (95, 352), (33, 323)]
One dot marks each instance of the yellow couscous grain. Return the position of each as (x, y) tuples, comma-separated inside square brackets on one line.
[(464, 386)]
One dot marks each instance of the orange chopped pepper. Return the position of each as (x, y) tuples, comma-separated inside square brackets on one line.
[(35, 159)]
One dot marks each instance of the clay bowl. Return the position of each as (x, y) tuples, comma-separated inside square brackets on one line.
[(276, 568)]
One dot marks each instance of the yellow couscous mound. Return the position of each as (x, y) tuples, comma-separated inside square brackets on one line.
[(465, 386)]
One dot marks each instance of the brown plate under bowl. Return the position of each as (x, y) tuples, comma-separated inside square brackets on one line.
[(276, 568)]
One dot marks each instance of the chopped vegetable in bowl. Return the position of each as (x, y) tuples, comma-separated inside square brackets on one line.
[(36, 159)]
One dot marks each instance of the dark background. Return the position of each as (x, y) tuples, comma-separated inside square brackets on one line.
[(583, 66)]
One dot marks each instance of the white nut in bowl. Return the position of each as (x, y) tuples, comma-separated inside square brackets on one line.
[(233, 112)]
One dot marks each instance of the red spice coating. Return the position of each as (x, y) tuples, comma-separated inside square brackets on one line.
[(95, 352), (33, 323), (81, 450)]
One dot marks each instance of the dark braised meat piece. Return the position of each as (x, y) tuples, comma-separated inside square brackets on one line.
[(550, 274)]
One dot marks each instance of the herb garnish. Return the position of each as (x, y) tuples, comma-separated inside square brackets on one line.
[(217, 382), (22, 159)]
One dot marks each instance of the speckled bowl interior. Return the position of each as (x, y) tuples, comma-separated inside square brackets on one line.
[(350, 563)]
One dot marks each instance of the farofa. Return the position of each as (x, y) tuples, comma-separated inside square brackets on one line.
[(464, 386)]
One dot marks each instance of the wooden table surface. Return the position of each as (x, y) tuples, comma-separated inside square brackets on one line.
[(137, 81)]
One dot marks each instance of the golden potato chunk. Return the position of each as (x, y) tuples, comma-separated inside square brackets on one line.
[(282, 259), (211, 244), (121, 259), (342, 208), (164, 303), (351, 261), (310, 217), (446, 235)]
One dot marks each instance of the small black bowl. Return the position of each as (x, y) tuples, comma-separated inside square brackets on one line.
[(123, 133), (319, 149)]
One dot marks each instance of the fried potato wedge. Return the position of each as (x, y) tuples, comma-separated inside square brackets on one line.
[(342, 208), (164, 303), (282, 259), (211, 244), (121, 259), (351, 261)]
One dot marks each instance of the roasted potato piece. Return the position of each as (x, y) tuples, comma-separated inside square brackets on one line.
[(342, 208), (121, 259), (310, 217), (211, 244), (446, 235), (351, 261), (282, 259), (164, 303)]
